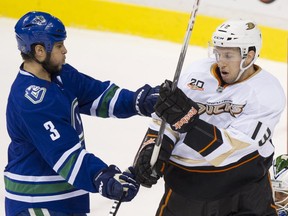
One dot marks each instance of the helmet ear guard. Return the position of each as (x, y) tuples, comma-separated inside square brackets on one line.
[(38, 28)]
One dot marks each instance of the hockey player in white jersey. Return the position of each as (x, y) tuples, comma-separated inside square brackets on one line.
[(49, 171), (217, 146)]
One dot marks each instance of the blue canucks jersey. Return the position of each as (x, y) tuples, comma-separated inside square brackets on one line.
[(48, 165)]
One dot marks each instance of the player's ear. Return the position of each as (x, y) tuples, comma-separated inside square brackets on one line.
[(40, 52), (250, 57)]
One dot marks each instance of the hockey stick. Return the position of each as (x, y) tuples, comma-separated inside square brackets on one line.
[(116, 206), (157, 146)]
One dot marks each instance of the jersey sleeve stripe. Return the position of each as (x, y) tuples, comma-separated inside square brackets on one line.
[(103, 107), (256, 130), (66, 169), (64, 157), (113, 102), (96, 103), (77, 166)]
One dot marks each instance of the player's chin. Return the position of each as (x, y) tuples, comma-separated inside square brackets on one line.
[(61, 65), (226, 77), (57, 70), (228, 80)]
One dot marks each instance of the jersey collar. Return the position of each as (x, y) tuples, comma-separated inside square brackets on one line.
[(222, 85)]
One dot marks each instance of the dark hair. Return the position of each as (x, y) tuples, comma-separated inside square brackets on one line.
[(253, 48)]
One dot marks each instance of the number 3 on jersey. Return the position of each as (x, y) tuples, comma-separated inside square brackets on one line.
[(54, 133)]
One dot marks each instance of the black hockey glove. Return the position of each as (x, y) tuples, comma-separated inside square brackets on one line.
[(176, 108), (143, 169), (145, 99), (113, 184)]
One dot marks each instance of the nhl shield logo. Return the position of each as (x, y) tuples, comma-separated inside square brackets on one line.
[(35, 94)]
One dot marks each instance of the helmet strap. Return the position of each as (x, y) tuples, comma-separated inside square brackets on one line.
[(243, 69)]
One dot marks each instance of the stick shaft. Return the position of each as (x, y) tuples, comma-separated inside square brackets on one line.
[(157, 146), (156, 149), (114, 208)]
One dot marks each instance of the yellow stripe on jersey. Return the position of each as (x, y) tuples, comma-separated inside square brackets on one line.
[(147, 22)]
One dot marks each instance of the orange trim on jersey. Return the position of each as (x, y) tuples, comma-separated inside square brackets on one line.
[(213, 141), (274, 207), (270, 181), (214, 72), (162, 168), (220, 83), (152, 135), (214, 171), (166, 202)]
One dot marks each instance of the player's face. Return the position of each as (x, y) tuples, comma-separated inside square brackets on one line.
[(57, 58), (228, 60)]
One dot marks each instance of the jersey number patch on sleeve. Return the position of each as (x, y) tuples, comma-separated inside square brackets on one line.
[(266, 132), (54, 133)]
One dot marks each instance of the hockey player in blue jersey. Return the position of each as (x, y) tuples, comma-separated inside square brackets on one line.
[(49, 171)]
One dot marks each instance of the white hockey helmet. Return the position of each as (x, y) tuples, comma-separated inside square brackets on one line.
[(280, 183), (238, 33)]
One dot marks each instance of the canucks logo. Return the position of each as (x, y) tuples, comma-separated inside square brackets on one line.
[(35, 94), (39, 20)]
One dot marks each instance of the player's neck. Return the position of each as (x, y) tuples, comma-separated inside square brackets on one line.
[(37, 70)]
